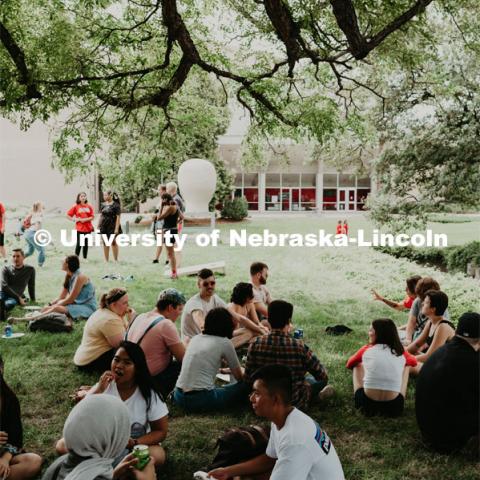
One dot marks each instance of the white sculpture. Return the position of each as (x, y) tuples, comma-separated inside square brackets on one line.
[(197, 181)]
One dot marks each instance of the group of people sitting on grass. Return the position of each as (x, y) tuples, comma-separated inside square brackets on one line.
[(142, 361)]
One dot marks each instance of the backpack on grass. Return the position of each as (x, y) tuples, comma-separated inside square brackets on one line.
[(240, 444), (51, 322)]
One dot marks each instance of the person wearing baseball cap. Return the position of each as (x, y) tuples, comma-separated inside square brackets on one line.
[(447, 401), (156, 333)]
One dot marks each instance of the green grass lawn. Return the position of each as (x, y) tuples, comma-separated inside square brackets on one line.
[(328, 286)]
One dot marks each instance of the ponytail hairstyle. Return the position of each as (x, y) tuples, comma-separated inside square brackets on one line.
[(386, 333), (115, 197), (73, 264), (111, 296)]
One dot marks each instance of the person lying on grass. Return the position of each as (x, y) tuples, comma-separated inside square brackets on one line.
[(130, 380), (380, 371), (437, 330), (298, 447)]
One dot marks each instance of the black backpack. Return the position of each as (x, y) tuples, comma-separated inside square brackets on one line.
[(240, 444)]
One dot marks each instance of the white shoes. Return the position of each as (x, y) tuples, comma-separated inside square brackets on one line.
[(201, 476)]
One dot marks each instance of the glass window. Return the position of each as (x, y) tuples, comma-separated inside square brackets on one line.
[(362, 194), (309, 180), (363, 182), (308, 198), (272, 180), (238, 180), (330, 180), (251, 195), (250, 179), (272, 199), (330, 199), (290, 180), (238, 193), (346, 180)]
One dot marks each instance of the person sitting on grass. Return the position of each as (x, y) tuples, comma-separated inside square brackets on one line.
[(130, 380), (95, 433), (198, 306), (380, 371), (447, 394), (278, 347), (195, 390), (407, 302), (77, 298), (13, 282), (14, 463), (416, 319), (242, 303), (261, 294), (104, 331), (298, 447), (156, 333), (436, 331)]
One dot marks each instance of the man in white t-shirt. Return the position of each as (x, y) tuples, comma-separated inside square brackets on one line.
[(261, 295), (298, 447), (197, 307)]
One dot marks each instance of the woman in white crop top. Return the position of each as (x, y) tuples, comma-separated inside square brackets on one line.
[(380, 371)]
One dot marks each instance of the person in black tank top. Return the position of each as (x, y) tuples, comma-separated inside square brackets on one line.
[(170, 215), (437, 330)]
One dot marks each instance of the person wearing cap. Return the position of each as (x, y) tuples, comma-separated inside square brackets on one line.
[(156, 333), (447, 400)]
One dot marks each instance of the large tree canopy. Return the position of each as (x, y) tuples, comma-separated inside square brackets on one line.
[(283, 60)]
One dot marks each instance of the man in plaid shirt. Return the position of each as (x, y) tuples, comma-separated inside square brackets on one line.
[(279, 347)]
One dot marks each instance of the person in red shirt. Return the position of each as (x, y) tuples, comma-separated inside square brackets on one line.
[(339, 230), (407, 302), (3, 253), (345, 228), (82, 214)]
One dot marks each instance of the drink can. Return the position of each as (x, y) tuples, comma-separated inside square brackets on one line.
[(8, 331), (296, 334), (143, 455), (300, 333)]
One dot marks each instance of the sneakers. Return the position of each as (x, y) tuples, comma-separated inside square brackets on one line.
[(155, 261), (174, 276), (327, 392)]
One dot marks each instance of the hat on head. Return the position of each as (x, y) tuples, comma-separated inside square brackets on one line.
[(469, 325), (173, 295)]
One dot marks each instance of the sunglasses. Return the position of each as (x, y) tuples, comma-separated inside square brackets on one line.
[(211, 284)]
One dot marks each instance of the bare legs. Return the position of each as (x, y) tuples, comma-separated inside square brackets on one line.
[(25, 466), (106, 251), (172, 259), (358, 374)]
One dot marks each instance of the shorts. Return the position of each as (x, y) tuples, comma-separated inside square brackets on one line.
[(2, 239), (390, 408)]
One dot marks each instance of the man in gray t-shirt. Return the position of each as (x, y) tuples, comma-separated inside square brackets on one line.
[(197, 307)]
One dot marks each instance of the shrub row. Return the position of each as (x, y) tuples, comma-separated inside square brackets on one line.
[(452, 259)]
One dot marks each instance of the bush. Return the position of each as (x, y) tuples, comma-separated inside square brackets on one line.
[(453, 259), (236, 209), (459, 257)]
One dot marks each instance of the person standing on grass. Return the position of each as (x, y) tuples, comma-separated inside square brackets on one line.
[(14, 464), (82, 214), (36, 221), (14, 280), (298, 448), (380, 371), (155, 331), (447, 394), (3, 218), (158, 224), (172, 190), (279, 348), (109, 222), (261, 295)]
